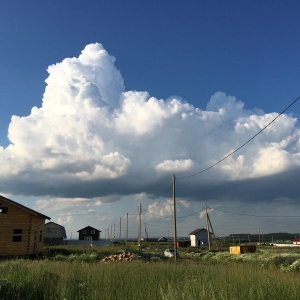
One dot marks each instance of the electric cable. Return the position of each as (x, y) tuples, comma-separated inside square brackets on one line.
[(237, 149)]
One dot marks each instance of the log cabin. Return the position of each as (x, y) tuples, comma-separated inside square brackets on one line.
[(21, 229)]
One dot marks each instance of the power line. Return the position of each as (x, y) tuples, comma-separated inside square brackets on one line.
[(170, 217), (149, 224), (134, 211), (256, 216), (237, 149), (191, 214), (163, 197)]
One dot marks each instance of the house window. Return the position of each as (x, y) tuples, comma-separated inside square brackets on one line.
[(92, 231), (17, 237), (83, 231), (88, 238), (41, 235), (3, 210)]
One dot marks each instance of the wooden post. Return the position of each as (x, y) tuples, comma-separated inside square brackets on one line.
[(120, 231), (126, 230), (213, 231), (139, 227), (207, 228), (174, 212)]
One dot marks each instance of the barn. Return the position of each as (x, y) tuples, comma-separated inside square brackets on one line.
[(89, 234), (54, 234), (199, 237), (21, 229)]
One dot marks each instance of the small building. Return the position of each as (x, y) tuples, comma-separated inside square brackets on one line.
[(89, 234), (183, 244), (199, 237), (242, 249), (296, 241), (54, 234), (21, 229)]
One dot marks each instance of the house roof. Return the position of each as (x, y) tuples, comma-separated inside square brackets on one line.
[(296, 240), (89, 227), (197, 230), (63, 230), (29, 210), (50, 223)]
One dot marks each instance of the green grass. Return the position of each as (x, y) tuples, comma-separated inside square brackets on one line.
[(78, 273)]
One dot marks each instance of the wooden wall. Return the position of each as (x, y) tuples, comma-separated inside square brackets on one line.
[(24, 227)]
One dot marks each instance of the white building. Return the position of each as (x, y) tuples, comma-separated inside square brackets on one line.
[(199, 237)]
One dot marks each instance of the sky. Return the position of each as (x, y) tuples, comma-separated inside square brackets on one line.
[(103, 101)]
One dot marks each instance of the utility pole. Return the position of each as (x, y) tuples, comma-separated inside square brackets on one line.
[(175, 228), (120, 231), (207, 229), (212, 231), (139, 227), (126, 230), (111, 235), (114, 230), (146, 233)]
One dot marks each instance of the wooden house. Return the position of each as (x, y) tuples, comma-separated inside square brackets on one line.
[(199, 237), (54, 234), (242, 249), (21, 229), (89, 234)]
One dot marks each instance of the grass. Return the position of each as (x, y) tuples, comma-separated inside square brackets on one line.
[(78, 273)]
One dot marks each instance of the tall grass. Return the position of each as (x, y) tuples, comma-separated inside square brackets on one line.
[(72, 280)]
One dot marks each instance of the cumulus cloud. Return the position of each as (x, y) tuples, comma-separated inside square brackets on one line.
[(175, 166), (166, 210), (92, 138), (65, 220)]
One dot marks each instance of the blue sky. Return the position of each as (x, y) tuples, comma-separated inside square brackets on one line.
[(248, 50)]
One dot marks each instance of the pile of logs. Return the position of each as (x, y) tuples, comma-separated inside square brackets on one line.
[(122, 257)]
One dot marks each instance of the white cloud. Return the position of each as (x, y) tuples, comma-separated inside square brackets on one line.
[(203, 213), (60, 204), (65, 220), (175, 166), (166, 210), (91, 138), (272, 160), (163, 210)]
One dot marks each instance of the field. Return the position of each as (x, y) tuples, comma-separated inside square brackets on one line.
[(79, 273)]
